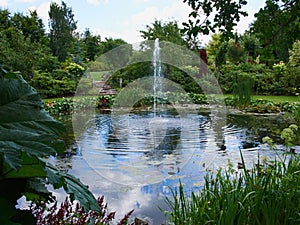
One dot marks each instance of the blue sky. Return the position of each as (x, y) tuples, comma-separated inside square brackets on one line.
[(122, 18)]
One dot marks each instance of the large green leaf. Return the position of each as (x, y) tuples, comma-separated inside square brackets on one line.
[(72, 186), (25, 127)]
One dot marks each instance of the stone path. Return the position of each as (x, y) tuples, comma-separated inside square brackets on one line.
[(103, 87)]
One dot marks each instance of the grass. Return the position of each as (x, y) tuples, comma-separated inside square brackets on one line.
[(98, 75), (277, 99), (267, 194), (273, 98)]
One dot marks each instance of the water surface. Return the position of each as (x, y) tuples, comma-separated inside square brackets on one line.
[(135, 158)]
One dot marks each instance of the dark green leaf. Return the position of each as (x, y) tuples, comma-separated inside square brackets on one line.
[(72, 186), (24, 126)]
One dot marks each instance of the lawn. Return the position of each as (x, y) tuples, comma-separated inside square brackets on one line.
[(273, 98), (277, 99), (97, 75)]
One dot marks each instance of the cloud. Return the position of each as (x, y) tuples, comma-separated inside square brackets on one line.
[(178, 11), (3, 2), (24, 1), (96, 2), (42, 11)]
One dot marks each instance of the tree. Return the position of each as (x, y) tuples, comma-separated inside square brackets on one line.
[(18, 53), (294, 59), (91, 45), (213, 46), (277, 26), (31, 26), (62, 26), (251, 45), (110, 44), (164, 32), (225, 13)]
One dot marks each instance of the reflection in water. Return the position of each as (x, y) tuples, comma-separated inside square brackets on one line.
[(133, 159)]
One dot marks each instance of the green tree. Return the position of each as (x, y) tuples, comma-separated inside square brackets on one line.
[(221, 54), (294, 59), (19, 53), (168, 31), (251, 45), (23, 43), (236, 52), (226, 15), (5, 21), (277, 26), (62, 26), (31, 26), (110, 43), (91, 45), (213, 46)]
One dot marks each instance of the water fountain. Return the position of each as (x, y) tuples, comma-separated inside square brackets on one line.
[(157, 73)]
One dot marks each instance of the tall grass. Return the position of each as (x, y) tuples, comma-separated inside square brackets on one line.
[(267, 194)]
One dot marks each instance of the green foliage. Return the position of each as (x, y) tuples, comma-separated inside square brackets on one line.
[(75, 70), (130, 73), (27, 135), (226, 14), (92, 45), (168, 31), (267, 194), (31, 26), (278, 33), (221, 54), (281, 80), (294, 59), (54, 84), (242, 89), (59, 106), (213, 46), (279, 69), (105, 101), (251, 45), (62, 25), (235, 52)]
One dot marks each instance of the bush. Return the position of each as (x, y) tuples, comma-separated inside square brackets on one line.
[(48, 86)]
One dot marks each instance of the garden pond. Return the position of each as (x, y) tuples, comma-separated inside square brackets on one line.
[(134, 158)]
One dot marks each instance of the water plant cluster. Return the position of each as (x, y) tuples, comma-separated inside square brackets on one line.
[(65, 105), (268, 193)]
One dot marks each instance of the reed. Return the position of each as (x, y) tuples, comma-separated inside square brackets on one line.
[(266, 194)]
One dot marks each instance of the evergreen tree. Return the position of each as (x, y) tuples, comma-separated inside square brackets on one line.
[(62, 26)]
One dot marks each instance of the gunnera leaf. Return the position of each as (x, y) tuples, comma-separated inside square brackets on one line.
[(25, 127)]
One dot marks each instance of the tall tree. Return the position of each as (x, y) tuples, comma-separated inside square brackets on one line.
[(213, 46), (209, 15), (164, 31), (277, 26), (22, 42), (91, 45), (62, 27), (31, 26)]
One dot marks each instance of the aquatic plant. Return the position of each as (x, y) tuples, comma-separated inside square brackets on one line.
[(268, 193)]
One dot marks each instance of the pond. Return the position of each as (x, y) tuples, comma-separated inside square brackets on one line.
[(134, 158)]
